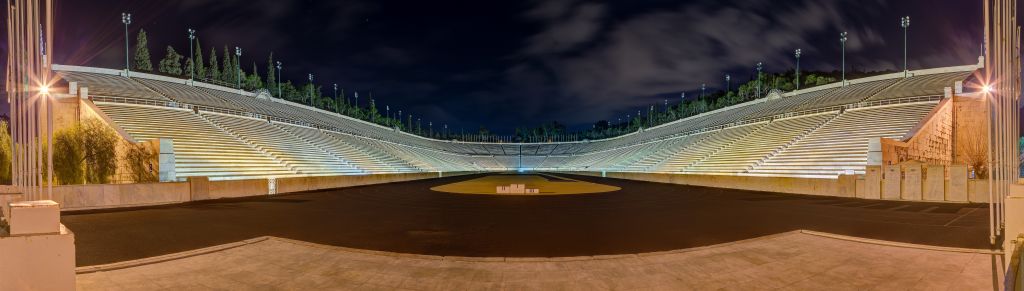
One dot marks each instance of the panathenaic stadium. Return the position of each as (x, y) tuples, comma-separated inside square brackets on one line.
[(905, 180)]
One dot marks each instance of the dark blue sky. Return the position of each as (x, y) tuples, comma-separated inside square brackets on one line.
[(504, 64)]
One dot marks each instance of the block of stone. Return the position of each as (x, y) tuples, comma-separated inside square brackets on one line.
[(892, 182), (935, 183), (957, 184), (912, 181), (34, 217), (872, 183)]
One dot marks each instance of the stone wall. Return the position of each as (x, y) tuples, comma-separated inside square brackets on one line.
[(931, 141), (86, 197), (894, 182)]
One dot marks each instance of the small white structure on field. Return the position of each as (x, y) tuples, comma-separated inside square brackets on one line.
[(517, 189)]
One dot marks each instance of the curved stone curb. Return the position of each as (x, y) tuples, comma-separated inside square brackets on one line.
[(168, 257)]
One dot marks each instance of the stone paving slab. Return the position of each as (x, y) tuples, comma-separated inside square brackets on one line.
[(794, 260)]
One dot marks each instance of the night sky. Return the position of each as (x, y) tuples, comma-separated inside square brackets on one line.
[(503, 64)]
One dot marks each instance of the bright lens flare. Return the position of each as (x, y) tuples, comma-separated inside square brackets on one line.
[(987, 88), (45, 89)]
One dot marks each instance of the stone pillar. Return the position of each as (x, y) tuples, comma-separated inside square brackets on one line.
[(38, 252), (935, 183), (892, 182), (957, 184), (167, 173), (872, 183), (875, 151), (912, 181)]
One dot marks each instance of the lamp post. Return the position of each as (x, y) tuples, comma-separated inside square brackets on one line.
[(842, 39), (238, 69), (797, 54), (279, 80), (728, 83), (702, 87), (191, 55), (126, 18), (335, 97), (760, 65), (905, 23), (310, 90)]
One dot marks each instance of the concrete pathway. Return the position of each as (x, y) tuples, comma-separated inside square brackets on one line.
[(795, 260)]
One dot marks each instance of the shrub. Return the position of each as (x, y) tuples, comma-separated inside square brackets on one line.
[(68, 156), (6, 154), (141, 161), (100, 145)]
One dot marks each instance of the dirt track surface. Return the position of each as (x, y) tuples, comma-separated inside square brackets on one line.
[(409, 218)]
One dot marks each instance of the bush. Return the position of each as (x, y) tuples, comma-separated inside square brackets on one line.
[(141, 161), (6, 154), (68, 156), (85, 153)]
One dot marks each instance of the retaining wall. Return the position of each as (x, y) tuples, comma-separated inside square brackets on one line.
[(900, 186), (86, 197)]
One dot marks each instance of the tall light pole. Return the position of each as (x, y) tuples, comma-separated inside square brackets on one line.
[(335, 97), (357, 99), (279, 80), (191, 55), (702, 88), (238, 69), (797, 54), (760, 65), (310, 90), (126, 18), (728, 83), (842, 39), (387, 111), (905, 23)]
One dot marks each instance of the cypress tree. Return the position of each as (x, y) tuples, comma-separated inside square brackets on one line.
[(255, 82), (214, 67), (143, 61), (227, 72), (200, 67), (271, 75)]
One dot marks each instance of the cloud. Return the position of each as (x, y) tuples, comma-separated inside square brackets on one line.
[(567, 26)]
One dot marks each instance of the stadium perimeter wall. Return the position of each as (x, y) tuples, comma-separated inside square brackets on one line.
[(853, 186), (109, 196)]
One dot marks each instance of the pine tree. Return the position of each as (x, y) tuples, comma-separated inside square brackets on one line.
[(171, 63), (200, 67), (271, 75), (142, 58), (227, 72), (214, 67)]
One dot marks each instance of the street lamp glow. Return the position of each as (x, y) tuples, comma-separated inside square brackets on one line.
[(126, 18), (191, 54), (905, 23), (986, 88), (797, 54), (238, 65), (842, 39), (44, 89), (279, 80)]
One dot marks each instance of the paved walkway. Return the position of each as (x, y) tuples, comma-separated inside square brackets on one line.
[(788, 261), (410, 218)]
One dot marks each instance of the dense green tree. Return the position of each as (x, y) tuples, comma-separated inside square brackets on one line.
[(227, 71), (254, 80), (200, 67), (6, 154), (189, 68), (171, 63), (272, 75), (214, 67), (143, 62)]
